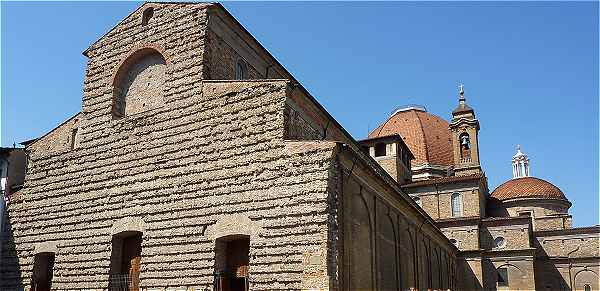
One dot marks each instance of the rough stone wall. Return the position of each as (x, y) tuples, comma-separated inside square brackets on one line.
[(516, 236), (437, 202), (467, 237), (181, 172), (177, 31), (221, 60), (296, 126), (569, 245), (471, 274), (59, 140), (564, 274), (552, 222), (520, 269), (390, 164)]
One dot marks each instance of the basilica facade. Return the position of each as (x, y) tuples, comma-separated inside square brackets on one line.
[(198, 162)]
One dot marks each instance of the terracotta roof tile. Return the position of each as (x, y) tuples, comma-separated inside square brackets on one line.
[(527, 187), (427, 136)]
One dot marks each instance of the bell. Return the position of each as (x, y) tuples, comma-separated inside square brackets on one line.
[(465, 141)]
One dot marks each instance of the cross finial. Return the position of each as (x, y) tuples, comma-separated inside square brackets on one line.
[(518, 147), (461, 88)]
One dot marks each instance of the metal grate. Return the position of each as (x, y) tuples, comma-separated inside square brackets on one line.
[(124, 282)]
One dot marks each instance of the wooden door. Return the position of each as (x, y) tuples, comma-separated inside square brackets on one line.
[(132, 254)]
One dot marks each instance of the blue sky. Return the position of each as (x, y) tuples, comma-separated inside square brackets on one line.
[(530, 71)]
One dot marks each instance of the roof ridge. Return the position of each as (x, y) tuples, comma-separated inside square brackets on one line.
[(423, 134), (381, 126)]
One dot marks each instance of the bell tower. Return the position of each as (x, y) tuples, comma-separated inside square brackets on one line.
[(465, 129)]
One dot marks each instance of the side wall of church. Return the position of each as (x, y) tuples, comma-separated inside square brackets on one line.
[(466, 236), (519, 269), (227, 44), (437, 202), (386, 243), (568, 259), (514, 235)]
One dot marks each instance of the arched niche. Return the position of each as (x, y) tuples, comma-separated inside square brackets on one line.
[(139, 82), (387, 265), (586, 277), (361, 248)]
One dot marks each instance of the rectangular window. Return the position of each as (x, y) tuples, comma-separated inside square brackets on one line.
[(502, 277), (380, 149)]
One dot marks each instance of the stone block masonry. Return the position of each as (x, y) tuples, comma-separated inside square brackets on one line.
[(180, 173)]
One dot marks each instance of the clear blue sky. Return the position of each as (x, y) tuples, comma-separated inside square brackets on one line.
[(530, 71)]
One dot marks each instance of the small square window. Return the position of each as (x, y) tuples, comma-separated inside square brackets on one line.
[(380, 150)]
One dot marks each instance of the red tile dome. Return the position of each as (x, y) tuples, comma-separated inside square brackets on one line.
[(426, 135), (527, 187)]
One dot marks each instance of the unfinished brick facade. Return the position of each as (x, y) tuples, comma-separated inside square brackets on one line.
[(198, 162), (172, 162)]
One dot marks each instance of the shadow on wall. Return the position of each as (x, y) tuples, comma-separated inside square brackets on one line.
[(10, 273), (547, 276), (468, 280), (495, 208)]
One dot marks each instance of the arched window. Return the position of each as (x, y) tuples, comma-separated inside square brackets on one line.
[(139, 83), (457, 207), (587, 287), (147, 15), (465, 147), (241, 70)]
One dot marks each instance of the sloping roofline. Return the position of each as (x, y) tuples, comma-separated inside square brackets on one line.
[(34, 140)]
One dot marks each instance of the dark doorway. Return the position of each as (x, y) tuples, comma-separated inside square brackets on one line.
[(41, 279), (125, 262), (232, 262)]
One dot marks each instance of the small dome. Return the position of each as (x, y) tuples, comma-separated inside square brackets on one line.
[(426, 135), (527, 187)]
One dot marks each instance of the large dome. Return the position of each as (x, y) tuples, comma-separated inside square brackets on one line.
[(427, 135), (527, 187)]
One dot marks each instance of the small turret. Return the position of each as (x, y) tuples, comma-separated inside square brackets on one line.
[(520, 164)]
